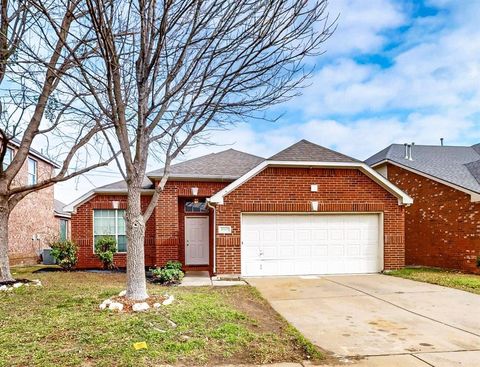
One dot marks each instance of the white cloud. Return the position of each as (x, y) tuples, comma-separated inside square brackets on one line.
[(361, 25)]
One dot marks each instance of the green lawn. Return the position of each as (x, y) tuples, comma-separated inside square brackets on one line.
[(60, 324), (452, 279)]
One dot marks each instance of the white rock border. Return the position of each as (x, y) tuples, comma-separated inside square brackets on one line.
[(16, 285), (111, 305)]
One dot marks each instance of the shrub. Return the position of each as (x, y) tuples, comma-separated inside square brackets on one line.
[(478, 261), (172, 264), (171, 273), (65, 253), (105, 248)]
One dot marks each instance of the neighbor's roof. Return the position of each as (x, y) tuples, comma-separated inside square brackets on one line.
[(33, 152), (309, 152), (456, 165), (229, 165), (58, 209)]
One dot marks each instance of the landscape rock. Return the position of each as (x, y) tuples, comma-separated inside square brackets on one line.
[(115, 306), (122, 293), (157, 305), (140, 307), (105, 304), (168, 301), (17, 285), (3, 288)]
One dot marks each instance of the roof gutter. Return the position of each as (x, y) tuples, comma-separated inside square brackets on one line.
[(72, 207), (403, 198)]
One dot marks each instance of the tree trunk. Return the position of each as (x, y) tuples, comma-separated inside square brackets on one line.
[(135, 225), (4, 261)]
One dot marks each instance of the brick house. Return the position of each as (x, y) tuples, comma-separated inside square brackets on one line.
[(306, 210), (443, 224), (31, 223)]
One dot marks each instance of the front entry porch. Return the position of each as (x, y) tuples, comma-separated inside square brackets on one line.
[(195, 235)]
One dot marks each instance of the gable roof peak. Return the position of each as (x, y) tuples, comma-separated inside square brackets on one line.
[(307, 151)]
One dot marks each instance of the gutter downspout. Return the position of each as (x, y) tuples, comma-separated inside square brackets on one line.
[(214, 235)]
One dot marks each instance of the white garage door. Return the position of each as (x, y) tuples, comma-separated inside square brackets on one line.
[(310, 244)]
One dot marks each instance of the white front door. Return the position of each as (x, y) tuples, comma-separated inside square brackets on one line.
[(196, 240), (311, 244)]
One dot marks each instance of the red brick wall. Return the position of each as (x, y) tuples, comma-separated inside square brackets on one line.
[(442, 226), (169, 240), (33, 216), (288, 190), (82, 231), (164, 239)]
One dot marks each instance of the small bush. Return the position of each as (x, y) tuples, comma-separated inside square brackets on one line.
[(172, 264), (65, 253), (478, 261), (171, 273), (105, 248)]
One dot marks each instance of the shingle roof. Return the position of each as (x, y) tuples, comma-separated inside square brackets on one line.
[(229, 164), (58, 208), (226, 165), (454, 164), (310, 152), (122, 185)]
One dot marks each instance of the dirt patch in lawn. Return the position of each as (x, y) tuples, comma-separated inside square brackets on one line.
[(249, 301)]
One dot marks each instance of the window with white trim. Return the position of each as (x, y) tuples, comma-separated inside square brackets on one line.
[(110, 223), (32, 171), (8, 158)]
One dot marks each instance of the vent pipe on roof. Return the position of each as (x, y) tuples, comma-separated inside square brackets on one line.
[(441, 142), (406, 151), (410, 156)]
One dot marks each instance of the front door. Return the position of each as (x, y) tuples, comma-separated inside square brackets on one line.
[(196, 240)]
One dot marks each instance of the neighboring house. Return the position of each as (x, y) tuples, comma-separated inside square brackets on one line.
[(306, 210), (32, 223), (63, 220), (443, 224)]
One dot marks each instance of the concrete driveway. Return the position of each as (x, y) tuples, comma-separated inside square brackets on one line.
[(388, 320)]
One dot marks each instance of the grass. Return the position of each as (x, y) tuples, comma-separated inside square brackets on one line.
[(60, 324), (446, 278)]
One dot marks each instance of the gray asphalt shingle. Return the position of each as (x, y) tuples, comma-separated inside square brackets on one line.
[(307, 151), (231, 164), (454, 164)]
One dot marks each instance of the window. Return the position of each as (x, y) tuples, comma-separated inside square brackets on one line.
[(8, 158), (32, 171), (63, 229), (196, 207), (110, 223)]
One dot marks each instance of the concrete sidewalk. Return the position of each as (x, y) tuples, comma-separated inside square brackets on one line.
[(203, 279)]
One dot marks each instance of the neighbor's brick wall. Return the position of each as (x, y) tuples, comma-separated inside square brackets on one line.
[(288, 190), (82, 231), (442, 226), (33, 216)]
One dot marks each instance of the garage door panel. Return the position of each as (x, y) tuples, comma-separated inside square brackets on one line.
[(310, 244)]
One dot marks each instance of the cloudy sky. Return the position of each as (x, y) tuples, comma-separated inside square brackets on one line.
[(395, 71)]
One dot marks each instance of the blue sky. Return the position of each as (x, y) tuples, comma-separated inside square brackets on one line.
[(394, 71)]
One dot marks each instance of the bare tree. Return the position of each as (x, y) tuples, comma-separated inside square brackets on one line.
[(163, 72), (39, 101)]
